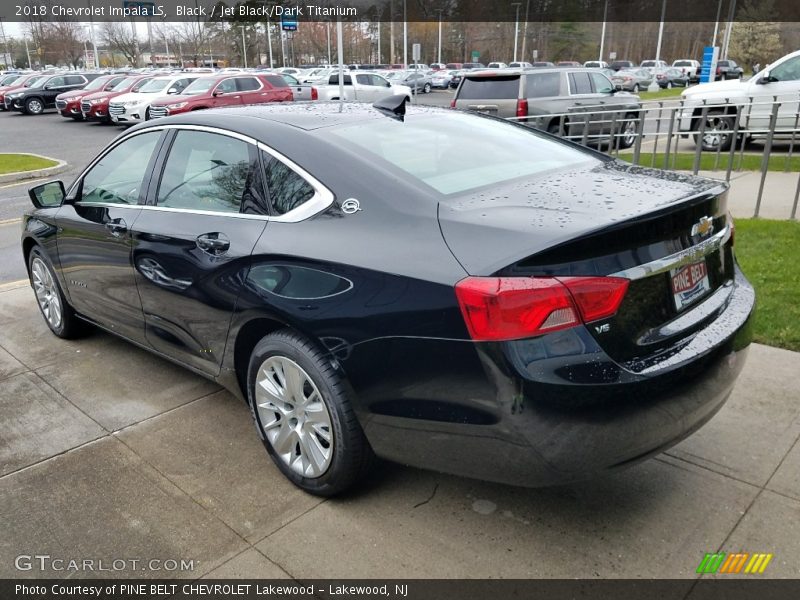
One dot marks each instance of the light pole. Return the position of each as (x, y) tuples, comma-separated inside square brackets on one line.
[(525, 28), (726, 43), (716, 24), (94, 43), (603, 32), (654, 87), (244, 47), (28, 53), (516, 5), (405, 37), (166, 47), (268, 27), (439, 54)]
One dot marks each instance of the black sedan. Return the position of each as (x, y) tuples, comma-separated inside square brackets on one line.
[(495, 303)]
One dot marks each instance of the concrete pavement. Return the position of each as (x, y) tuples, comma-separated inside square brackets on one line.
[(107, 452)]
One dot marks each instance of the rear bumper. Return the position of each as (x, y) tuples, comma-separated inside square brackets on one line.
[(541, 411)]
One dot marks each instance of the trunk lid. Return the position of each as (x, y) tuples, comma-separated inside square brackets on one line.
[(664, 231)]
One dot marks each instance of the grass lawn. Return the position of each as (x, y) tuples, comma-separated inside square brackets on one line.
[(684, 161), (13, 163), (661, 94), (768, 254)]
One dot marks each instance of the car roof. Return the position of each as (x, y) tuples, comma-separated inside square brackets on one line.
[(258, 120)]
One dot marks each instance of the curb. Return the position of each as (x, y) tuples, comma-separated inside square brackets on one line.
[(60, 167)]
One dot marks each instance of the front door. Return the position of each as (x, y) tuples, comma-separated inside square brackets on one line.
[(94, 241), (783, 88), (226, 94), (192, 244)]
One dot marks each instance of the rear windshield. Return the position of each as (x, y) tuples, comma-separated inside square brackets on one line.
[(490, 88), (682, 63), (461, 152)]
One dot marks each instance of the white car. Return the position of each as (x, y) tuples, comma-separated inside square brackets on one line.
[(520, 65), (779, 82), (691, 67), (134, 107), (497, 65), (367, 87), (595, 64), (653, 65)]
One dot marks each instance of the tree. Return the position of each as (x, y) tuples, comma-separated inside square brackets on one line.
[(121, 38), (753, 38)]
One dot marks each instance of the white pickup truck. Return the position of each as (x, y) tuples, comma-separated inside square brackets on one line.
[(779, 82), (360, 87)]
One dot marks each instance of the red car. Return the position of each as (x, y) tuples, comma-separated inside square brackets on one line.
[(22, 82), (94, 106), (224, 90), (68, 104)]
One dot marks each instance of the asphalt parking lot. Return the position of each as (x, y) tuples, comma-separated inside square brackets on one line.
[(107, 452)]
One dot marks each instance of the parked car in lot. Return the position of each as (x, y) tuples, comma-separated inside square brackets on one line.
[(442, 79), (134, 107), (94, 106), (497, 65), (454, 66), (8, 78), (757, 95), (223, 90), (596, 64), (17, 85), (367, 87), (543, 64), (472, 65), (417, 81), (554, 100), (456, 78), (568, 63), (301, 92), (622, 64), (728, 69), (68, 104), (533, 332), (520, 65), (632, 80), (34, 100), (692, 68), (671, 77), (653, 65)]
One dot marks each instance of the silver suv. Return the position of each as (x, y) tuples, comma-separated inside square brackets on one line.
[(543, 98)]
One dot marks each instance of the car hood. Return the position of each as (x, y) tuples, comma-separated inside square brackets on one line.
[(70, 95), (730, 86), (101, 94), (175, 98), (528, 216), (135, 96)]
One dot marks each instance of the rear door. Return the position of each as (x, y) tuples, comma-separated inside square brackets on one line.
[(193, 241), (94, 240)]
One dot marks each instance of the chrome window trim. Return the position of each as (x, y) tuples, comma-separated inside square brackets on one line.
[(321, 199), (678, 259)]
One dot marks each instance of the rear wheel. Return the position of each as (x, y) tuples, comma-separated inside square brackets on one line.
[(34, 106), (627, 131), (718, 132), (427, 88), (304, 417), (55, 309), (635, 87)]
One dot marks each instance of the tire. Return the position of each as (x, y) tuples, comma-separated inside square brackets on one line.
[(34, 106), (56, 311), (147, 114), (669, 85), (553, 128), (322, 451), (426, 89), (628, 132), (635, 88), (715, 136)]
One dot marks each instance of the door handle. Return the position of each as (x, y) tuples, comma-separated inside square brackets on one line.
[(215, 243), (117, 227)]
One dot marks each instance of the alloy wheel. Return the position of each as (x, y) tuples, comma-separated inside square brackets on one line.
[(716, 133), (47, 294), (294, 417), (628, 134), (34, 106)]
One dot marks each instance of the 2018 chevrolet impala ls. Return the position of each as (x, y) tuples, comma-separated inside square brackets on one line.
[(446, 290)]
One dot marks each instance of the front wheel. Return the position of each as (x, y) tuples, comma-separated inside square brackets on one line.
[(635, 87), (717, 133), (427, 88), (627, 131), (34, 106), (55, 309), (304, 417)]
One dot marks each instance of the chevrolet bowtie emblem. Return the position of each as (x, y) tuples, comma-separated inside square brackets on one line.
[(704, 226)]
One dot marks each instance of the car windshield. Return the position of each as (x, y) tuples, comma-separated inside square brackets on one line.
[(154, 86), (461, 152), (199, 86), (96, 84), (8, 79), (124, 84)]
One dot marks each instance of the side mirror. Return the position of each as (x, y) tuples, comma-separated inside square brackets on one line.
[(47, 195), (172, 90), (216, 93), (764, 79)]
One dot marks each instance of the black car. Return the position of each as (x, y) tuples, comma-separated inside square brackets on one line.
[(728, 69), (496, 303), (36, 99), (622, 64)]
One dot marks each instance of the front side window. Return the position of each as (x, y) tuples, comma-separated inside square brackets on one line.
[(118, 177), (787, 71), (287, 189), (602, 84), (226, 86), (205, 171)]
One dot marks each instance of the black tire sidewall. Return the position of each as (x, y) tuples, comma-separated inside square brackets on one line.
[(286, 343)]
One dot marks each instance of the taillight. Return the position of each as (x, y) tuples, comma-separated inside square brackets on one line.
[(453, 103), (314, 94), (522, 107), (508, 308)]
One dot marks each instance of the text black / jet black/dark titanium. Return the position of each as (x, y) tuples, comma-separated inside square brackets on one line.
[(447, 290)]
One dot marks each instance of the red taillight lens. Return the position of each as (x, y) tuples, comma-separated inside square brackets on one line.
[(314, 94), (453, 103), (522, 107), (508, 308)]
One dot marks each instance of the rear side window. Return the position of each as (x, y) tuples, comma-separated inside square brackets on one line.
[(75, 80), (579, 83), (247, 84), (334, 80), (205, 171), (543, 85), (287, 189), (490, 88), (276, 81)]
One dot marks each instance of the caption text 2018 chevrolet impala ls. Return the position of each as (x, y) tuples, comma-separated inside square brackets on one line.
[(442, 289)]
